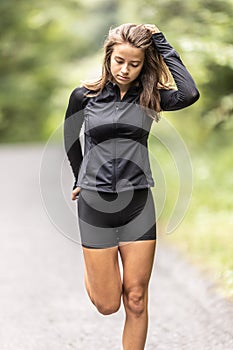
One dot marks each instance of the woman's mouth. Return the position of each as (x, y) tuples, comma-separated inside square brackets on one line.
[(123, 78)]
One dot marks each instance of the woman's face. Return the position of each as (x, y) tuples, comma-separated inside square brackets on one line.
[(126, 64)]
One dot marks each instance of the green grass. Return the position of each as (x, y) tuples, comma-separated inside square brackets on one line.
[(205, 234)]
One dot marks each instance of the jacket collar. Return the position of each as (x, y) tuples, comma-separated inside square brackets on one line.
[(134, 89)]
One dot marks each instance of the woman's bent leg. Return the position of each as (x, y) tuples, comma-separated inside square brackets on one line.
[(137, 258), (102, 278)]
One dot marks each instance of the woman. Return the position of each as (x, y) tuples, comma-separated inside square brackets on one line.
[(113, 178)]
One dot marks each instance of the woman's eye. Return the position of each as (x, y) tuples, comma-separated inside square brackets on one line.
[(120, 62)]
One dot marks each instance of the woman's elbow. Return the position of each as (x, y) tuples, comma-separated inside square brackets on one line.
[(195, 95), (192, 97)]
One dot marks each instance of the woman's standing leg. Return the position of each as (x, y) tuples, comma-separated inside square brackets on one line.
[(137, 259)]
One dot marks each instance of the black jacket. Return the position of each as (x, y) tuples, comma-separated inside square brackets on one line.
[(116, 131)]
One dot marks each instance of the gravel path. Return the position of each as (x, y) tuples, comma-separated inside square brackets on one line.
[(43, 304)]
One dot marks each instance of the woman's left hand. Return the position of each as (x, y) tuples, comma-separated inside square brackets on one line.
[(152, 28)]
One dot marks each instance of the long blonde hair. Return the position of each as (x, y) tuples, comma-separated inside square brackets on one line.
[(154, 74)]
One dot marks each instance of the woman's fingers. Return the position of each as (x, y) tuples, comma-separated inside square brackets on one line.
[(75, 192), (152, 28)]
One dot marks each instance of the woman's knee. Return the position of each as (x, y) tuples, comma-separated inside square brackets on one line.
[(106, 303), (135, 300), (107, 307)]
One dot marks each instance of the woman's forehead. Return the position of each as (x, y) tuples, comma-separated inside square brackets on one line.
[(128, 52)]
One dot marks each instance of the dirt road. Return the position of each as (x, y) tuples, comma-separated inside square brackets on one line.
[(43, 304)]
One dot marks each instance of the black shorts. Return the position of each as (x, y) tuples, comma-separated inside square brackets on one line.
[(107, 219)]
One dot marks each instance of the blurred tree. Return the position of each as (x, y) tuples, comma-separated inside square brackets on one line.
[(43, 45), (38, 39)]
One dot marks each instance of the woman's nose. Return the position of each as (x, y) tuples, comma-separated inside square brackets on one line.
[(124, 69)]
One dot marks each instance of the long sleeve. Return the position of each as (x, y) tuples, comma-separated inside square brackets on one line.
[(74, 118), (187, 92)]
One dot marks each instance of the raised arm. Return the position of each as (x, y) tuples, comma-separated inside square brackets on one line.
[(187, 92)]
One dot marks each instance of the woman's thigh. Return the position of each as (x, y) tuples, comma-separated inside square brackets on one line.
[(103, 274), (137, 260)]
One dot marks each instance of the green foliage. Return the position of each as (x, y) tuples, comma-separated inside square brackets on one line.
[(218, 92), (38, 40), (43, 46)]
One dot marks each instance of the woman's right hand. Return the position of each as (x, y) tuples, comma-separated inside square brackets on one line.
[(75, 192)]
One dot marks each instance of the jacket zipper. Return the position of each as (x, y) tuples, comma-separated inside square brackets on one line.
[(114, 155), (118, 99)]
